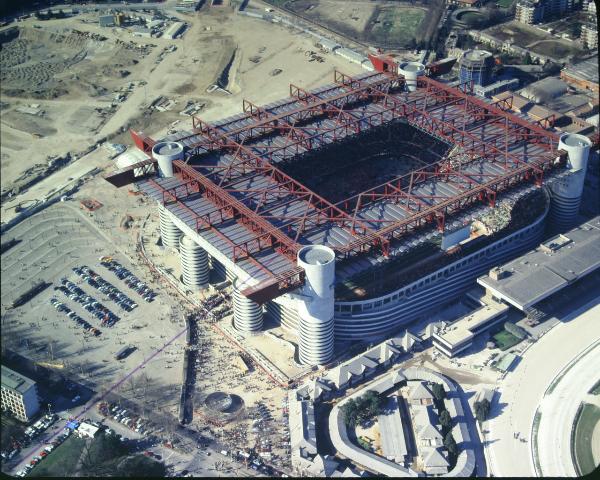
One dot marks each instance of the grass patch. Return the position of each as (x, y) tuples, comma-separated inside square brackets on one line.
[(397, 25), (365, 445), (595, 389), (556, 49), (472, 18), (62, 461), (504, 340), (584, 428), (504, 3)]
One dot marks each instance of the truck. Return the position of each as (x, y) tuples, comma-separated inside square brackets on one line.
[(124, 352)]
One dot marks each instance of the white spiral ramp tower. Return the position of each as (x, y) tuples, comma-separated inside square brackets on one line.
[(194, 263), (566, 192), (315, 309), (411, 70), (165, 154), (247, 315), (169, 232)]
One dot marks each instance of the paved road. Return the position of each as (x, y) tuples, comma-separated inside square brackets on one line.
[(522, 390), (558, 410)]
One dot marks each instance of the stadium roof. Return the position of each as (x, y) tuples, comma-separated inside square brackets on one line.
[(231, 190)]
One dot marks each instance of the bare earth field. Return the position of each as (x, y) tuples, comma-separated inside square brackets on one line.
[(378, 23), (72, 79), (534, 39)]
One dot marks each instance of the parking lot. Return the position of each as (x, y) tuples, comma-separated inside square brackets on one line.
[(88, 314)]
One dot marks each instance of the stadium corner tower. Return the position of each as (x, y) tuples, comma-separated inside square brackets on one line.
[(348, 211)]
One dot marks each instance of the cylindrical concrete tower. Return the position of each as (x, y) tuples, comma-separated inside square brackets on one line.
[(411, 70), (316, 308), (194, 263), (476, 66), (247, 315), (165, 153), (168, 230), (566, 192)]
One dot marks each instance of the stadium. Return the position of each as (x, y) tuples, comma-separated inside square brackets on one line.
[(351, 210)]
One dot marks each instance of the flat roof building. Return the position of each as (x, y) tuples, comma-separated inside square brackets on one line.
[(556, 263), (19, 395), (458, 336), (174, 30), (583, 74)]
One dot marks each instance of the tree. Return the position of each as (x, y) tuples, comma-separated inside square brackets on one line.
[(350, 413), (141, 466), (482, 410), (99, 454), (446, 421), (363, 408), (450, 444), (438, 391), (527, 59)]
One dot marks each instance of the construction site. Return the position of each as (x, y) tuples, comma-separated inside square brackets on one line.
[(69, 84), (384, 24)]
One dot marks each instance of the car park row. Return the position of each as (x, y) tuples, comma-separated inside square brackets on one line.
[(89, 303), (129, 278), (32, 432), (29, 434), (61, 307), (122, 415), (96, 281)]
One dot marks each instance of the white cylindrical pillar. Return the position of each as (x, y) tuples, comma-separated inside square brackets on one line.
[(168, 230), (247, 315), (165, 153), (315, 310), (194, 263), (566, 192), (411, 70)]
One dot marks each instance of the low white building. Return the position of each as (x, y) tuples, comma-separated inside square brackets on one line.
[(86, 430), (174, 30)]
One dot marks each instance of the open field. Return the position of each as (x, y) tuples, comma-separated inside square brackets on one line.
[(398, 25), (72, 70), (63, 460), (379, 23), (534, 39), (587, 424)]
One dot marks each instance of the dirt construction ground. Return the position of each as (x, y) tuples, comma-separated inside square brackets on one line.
[(535, 40), (70, 80), (377, 23)]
